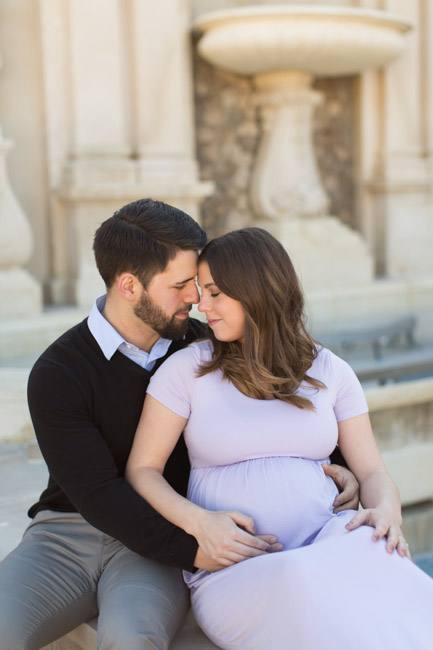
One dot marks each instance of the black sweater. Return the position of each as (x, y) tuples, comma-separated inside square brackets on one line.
[(85, 410)]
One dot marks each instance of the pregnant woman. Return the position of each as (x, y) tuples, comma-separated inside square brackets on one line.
[(262, 406)]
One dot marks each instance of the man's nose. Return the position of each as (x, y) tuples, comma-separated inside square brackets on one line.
[(191, 295)]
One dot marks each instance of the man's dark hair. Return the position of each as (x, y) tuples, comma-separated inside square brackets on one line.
[(142, 237)]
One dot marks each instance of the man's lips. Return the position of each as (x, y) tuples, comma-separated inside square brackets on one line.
[(184, 313)]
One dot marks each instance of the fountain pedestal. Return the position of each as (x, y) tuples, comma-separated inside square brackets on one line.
[(282, 48), (286, 181)]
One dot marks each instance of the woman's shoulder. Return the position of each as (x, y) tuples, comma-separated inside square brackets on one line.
[(327, 362), (202, 349), (190, 356)]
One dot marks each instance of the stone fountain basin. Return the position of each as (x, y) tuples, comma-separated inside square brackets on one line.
[(322, 40)]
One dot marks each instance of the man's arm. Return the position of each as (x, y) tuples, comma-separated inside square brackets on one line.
[(82, 465)]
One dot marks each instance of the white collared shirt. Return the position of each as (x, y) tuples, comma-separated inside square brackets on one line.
[(109, 339)]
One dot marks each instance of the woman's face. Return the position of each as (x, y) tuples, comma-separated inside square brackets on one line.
[(225, 316)]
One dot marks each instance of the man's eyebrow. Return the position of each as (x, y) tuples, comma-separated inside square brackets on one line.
[(185, 281)]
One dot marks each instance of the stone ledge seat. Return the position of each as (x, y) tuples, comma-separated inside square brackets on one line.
[(189, 637), (382, 351)]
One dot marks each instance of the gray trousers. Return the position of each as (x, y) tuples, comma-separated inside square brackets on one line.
[(65, 572)]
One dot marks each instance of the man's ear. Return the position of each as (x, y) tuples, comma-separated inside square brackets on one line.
[(129, 286)]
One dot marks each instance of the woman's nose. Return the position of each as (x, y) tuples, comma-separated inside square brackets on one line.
[(202, 305)]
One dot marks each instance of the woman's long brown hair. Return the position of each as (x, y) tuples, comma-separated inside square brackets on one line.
[(251, 266)]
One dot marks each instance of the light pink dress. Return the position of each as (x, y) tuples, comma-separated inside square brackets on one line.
[(329, 589)]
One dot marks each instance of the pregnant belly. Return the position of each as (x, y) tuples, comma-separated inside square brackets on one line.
[(288, 497)]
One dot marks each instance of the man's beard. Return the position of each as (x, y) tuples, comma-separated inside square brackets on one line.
[(168, 327)]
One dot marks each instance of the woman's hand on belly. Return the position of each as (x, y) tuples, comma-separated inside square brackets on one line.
[(228, 537)]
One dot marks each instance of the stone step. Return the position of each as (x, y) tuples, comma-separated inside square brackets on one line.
[(15, 423), (28, 337)]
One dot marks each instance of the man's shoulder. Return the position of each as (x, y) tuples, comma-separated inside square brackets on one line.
[(74, 343)]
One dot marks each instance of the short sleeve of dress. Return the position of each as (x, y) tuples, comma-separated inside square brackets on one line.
[(173, 383), (349, 399)]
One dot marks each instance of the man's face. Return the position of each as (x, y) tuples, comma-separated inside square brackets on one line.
[(166, 302)]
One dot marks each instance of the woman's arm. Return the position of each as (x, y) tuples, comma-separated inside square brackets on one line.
[(224, 537), (378, 492)]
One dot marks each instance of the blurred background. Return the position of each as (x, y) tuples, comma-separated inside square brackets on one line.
[(313, 120)]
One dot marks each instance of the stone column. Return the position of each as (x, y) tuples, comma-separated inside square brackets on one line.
[(396, 151), (163, 102), (88, 137), (117, 80), (20, 294), (100, 147)]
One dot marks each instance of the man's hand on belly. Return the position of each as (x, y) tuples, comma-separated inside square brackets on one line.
[(348, 487), (226, 538)]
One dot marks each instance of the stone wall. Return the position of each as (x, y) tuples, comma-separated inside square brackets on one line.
[(228, 132), (396, 427)]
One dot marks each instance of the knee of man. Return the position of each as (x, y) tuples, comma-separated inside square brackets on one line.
[(113, 635)]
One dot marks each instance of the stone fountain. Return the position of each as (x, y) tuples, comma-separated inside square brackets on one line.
[(282, 48)]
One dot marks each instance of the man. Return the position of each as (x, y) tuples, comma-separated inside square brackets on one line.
[(94, 546)]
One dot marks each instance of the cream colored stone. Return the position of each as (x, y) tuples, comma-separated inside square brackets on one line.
[(399, 395), (16, 234), (164, 112), (15, 423), (325, 252), (120, 123), (411, 468), (321, 40), (331, 308), (20, 294), (282, 47), (23, 339), (97, 79), (285, 182), (395, 151)]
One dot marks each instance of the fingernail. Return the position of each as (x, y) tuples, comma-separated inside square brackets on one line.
[(391, 547), (279, 547)]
